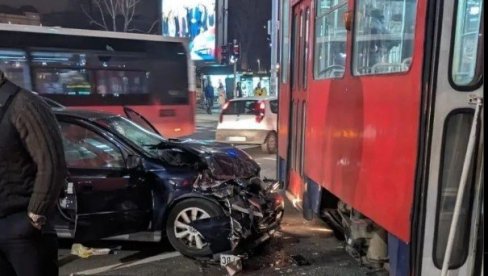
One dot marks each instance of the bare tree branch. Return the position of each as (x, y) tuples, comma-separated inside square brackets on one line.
[(133, 11), (92, 20), (113, 9), (128, 8), (153, 25), (102, 14)]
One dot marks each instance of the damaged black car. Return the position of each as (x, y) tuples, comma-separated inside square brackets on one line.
[(127, 181)]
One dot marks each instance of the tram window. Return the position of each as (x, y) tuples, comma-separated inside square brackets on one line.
[(305, 49), (15, 67), (383, 36), (62, 81), (285, 36), (330, 39), (296, 49), (465, 70), (457, 129)]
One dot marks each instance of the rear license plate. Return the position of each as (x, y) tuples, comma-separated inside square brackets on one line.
[(236, 139)]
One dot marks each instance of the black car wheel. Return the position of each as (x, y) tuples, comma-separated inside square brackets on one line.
[(271, 143), (181, 235)]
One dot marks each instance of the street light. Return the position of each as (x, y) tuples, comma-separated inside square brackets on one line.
[(259, 65)]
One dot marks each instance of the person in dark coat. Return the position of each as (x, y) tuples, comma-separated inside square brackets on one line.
[(209, 96), (239, 90), (32, 174)]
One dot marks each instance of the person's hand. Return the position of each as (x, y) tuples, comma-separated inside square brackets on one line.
[(37, 221)]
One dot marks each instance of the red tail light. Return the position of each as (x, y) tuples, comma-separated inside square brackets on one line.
[(222, 112), (260, 111)]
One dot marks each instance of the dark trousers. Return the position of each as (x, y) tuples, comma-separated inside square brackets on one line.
[(26, 251), (209, 105)]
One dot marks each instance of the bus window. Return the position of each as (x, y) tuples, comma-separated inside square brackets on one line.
[(464, 68), (330, 40), (14, 65), (62, 81), (383, 36), (58, 59), (121, 82)]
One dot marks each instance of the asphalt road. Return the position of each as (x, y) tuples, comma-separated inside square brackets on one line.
[(299, 248)]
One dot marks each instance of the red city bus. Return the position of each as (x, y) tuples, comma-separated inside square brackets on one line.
[(129, 74), (380, 128)]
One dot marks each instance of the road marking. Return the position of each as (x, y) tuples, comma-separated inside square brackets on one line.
[(156, 258), (269, 158), (117, 266)]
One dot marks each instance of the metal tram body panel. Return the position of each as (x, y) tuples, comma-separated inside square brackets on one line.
[(387, 133), (363, 132)]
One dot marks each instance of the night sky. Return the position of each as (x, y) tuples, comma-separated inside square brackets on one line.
[(254, 22)]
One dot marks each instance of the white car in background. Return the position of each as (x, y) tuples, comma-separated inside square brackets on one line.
[(251, 120)]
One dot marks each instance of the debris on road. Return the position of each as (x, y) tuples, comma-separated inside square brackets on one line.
[(84, 252)]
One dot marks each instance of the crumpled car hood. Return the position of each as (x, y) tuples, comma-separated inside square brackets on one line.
[(224, 161)]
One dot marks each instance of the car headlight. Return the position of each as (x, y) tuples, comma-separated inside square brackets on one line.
[(180, 182)]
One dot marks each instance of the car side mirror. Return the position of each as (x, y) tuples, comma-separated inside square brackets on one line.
[(347, 18), (133, 162)]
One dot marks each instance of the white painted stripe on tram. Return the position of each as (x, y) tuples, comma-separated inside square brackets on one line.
[(117, 266)]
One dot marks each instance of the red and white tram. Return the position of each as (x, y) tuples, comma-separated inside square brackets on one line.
[(380, 127)]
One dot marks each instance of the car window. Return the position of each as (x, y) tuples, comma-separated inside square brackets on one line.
[(85, 149), (138, 119), (137, 134), (273, 105), (247, 107)]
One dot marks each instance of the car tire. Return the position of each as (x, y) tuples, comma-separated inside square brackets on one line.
[(270, 144), (187, 245)]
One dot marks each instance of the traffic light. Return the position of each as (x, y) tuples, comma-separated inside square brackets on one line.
[(224, 54), (236, 50)]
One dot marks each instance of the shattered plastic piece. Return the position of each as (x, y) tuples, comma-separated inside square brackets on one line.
[(85, 252), (232, 263)]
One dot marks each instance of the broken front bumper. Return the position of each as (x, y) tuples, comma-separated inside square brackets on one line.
[(252, 212)]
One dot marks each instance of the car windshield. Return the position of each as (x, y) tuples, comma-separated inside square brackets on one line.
[(138, 135)]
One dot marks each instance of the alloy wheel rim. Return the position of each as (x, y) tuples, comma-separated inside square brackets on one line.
[(185, 233)]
